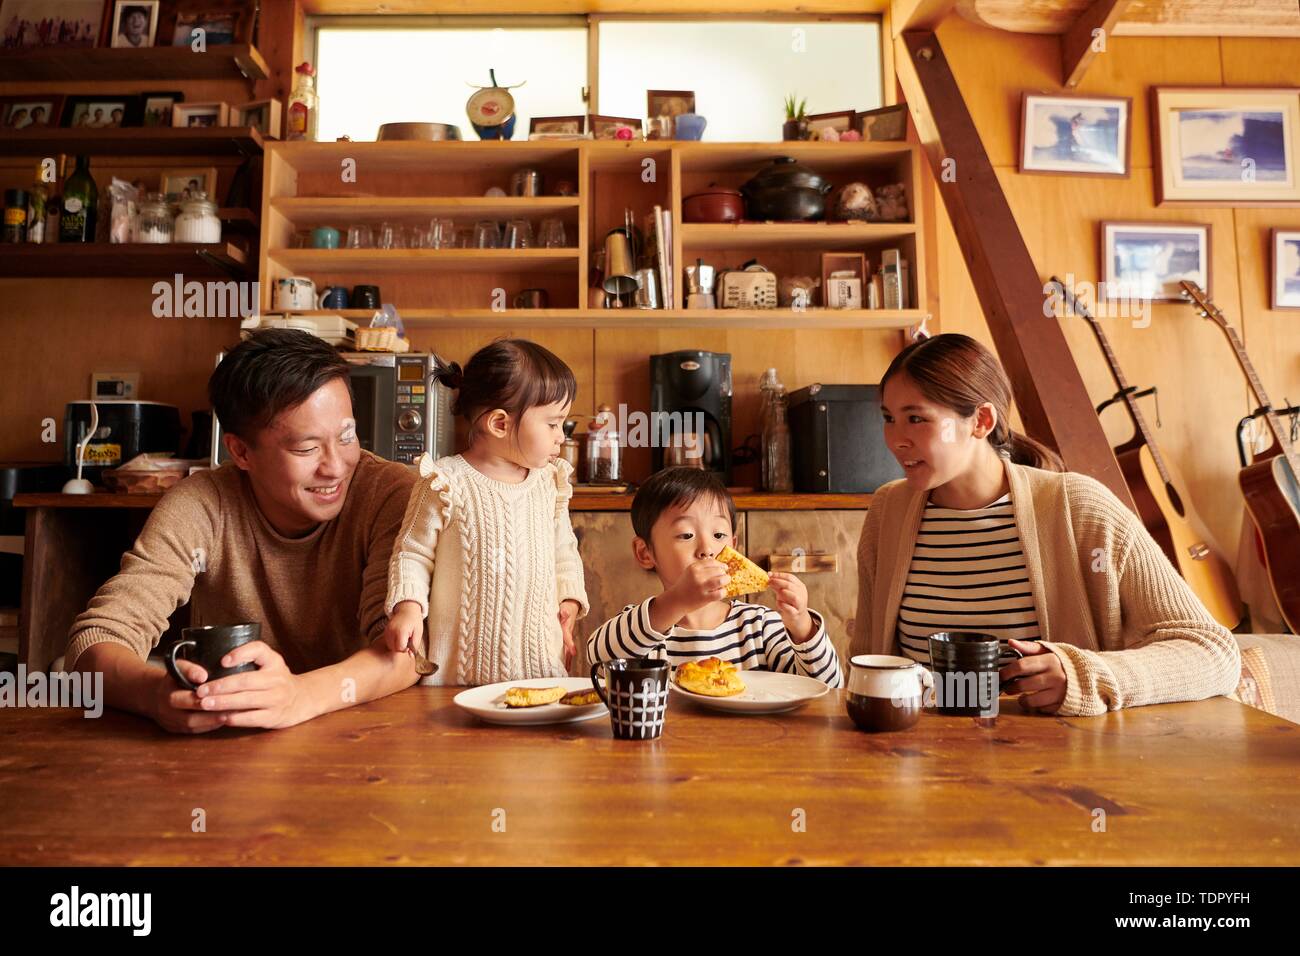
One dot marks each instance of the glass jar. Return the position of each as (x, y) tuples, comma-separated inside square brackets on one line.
[(198, 220), (777, 474), (604, 458), (156, 224)]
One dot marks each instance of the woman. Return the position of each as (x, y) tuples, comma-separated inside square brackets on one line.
[(986, 533)]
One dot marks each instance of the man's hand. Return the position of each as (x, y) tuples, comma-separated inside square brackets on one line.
[(404, 627), (269, 697), (1038, 678), (569, 610), (179, 710), (792, 605)]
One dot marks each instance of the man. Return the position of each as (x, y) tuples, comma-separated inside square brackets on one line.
[(133, 29), (295, 532)]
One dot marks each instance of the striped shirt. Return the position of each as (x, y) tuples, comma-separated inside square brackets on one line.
[(967, 574), (752, 637)]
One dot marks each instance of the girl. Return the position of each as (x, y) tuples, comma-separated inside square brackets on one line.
[(986, 533), (486, 551)]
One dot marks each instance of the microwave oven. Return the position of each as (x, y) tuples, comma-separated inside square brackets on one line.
[(401, 409)]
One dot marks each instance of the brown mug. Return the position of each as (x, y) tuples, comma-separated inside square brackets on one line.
[(531, 299)]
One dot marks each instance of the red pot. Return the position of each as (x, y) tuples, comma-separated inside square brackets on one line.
[(714, 204)]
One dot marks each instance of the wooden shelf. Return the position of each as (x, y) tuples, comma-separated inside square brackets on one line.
[(339, 212), (791, 235), (860, 319), (410, 155), (388, 261), (243, 221), (133, 141), (102, 260), (125, 65), (823, 157)]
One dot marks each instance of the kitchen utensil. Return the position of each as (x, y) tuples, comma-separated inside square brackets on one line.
[(785, 191), (526, 182), (620, 268), (418, 131), (79, 485), (751, 286), (647, 294), (714, 204)]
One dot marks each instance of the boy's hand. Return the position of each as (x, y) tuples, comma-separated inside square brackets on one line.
[(569, 609), (792, 605), (701, 584), (403, 627)]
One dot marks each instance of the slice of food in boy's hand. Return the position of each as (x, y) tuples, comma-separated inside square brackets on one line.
[(580, 698), (712, 677), (533, 696), (746, 576)]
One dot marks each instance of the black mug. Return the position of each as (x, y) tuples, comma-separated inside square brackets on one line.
[(965, 666), (365, 297), (209, 645), (636, 693)]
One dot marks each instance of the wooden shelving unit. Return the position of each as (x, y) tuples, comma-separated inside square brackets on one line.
[(102, 260), (132, 141), (155, 63), (413, 182)]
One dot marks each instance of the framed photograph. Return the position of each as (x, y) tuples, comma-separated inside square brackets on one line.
[(32, 109), (568, 125), (662, 106), (157, 107), (262, 115), (840, 121), (105, 111), (1084, 135), (1146, 260), (181, 184), (606, 127), (1286, 269), (1222, 146), (191, 115), (222, 22), (32, 23), (887, 124), (135, 23)]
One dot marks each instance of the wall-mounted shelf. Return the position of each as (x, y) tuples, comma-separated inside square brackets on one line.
[(641, 319), (419, 261), (132, 141), (230, 62), (787, 235), (102, 260), (306, 212)]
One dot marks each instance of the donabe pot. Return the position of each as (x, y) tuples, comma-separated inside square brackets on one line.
[(786, 192), (714, 204)]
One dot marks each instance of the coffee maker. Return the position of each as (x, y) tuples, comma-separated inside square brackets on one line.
[(690, 409)]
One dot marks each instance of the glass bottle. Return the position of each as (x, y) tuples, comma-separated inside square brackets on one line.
[(80, 204), (604, 462), (302, 105), (776, 435)]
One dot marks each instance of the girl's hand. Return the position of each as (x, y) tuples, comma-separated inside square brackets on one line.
[(569, 609), (1038, 677), (792, 605), (403, 627)]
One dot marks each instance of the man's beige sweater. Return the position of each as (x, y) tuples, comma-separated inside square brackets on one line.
[(319, 598), (1124, 624)]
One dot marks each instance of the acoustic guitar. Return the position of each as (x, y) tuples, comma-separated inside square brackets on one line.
[(1269, 484), (1158, 492)]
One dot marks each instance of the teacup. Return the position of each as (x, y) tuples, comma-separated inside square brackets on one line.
[(886, 693)]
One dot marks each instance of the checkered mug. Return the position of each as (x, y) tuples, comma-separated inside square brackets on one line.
[(636, 693)]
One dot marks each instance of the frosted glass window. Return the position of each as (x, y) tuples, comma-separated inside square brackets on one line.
[(741, 72), (366, 77)]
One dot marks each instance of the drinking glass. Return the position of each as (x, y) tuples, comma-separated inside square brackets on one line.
[(391, 236), (486, 235), (550, 234), (442, 234), (519, 234), (360, 237)]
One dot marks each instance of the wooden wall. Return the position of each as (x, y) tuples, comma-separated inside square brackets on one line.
[(1202, 393)]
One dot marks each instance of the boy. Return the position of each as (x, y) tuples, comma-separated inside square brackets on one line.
[(682, 518)]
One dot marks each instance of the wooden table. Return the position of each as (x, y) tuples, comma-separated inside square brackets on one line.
[(411, 779)]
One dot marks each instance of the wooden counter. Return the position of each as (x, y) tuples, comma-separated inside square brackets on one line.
[(412, 779)]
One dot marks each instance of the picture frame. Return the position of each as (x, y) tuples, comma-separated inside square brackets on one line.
[(1226, 146), (1075, 134), (223, 22), (841, 121), (134, 24), (1285, 244), (200, 115), (178, 184), (156, 107), (885, 125), (31, 110), (661, 108), (25, 24), (1146, 260), (604, 127), (563, 125), (265, 116), (103, 111)]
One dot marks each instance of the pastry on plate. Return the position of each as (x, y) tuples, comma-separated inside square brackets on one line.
[(580, 698), (746, 576), (712, 677), (533, 696)]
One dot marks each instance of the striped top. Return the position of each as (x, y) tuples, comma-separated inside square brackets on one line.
[(967, 574), (752, 637)]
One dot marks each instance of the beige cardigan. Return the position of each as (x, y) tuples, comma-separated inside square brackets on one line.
[(1124, 624)]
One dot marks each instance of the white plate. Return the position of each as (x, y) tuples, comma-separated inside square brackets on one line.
[(489, 703), (766, 692)]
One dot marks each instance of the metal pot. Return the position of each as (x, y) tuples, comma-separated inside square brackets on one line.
[(418, 131), (785, 192)]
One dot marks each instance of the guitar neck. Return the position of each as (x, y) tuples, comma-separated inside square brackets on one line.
[(1261, 396)]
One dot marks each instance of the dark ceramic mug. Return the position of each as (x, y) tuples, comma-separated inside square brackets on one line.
[(208, 645)]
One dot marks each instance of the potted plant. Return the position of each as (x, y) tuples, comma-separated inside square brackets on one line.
[(796, 119)]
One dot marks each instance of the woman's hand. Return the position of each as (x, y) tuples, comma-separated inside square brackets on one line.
[(1038, 678)]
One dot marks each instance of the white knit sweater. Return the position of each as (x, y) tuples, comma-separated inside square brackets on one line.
[(489, 563)]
